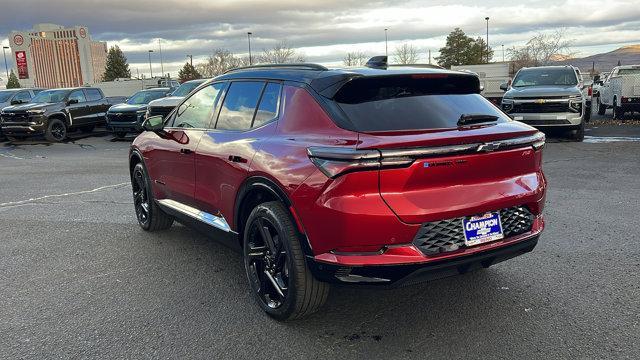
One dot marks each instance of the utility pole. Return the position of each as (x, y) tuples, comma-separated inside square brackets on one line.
[(190, 59), (386, 41), (6, 68), (150, 68), (502, 52), (161, 62), (429, 56), (487, 18), (249, 38)]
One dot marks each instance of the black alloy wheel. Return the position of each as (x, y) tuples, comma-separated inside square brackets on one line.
[(268, 267), (57, 131), (140, 197)]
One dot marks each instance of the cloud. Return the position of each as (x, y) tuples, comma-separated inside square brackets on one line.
[(323, 30)]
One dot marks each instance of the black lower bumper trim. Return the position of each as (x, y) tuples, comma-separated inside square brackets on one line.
[(400, 275)]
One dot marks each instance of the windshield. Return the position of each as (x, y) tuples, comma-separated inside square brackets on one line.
[(545, 77), (144, 97), (5, 95), (186, 88), (629, 71), (50, 96), (413, 103)]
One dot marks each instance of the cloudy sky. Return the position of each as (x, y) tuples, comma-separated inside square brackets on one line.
[(322, 30)]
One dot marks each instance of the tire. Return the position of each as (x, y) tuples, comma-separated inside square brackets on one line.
[(150, 216), (587, 113), (120, 134), (56, 131), (618, 112), (300, 294), (578, 134), (601, 107)]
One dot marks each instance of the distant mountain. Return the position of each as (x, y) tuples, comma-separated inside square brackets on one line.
[(628, 55)]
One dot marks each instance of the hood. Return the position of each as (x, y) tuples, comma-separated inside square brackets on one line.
[(28, 106), (121, 108), (172, 101), (542, 91)]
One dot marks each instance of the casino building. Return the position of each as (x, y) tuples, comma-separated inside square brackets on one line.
[(51, 56)]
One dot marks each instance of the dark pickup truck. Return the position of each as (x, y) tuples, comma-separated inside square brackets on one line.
[(53, 113)]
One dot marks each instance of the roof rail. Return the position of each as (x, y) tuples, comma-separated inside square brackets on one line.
[(302, 66)]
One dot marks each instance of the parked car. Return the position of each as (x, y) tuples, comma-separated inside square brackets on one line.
[(356, 176), (127, 117), (165, 105), (597, 83), (53, 113), (547, 96), (491, 77), (10, 97), (587, 92), (620, 91)]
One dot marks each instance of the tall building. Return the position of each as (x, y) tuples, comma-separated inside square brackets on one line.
[(51, 56)]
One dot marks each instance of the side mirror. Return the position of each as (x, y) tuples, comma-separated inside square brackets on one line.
[(72, 101), (16, 102), (153, 123), (504, 86)]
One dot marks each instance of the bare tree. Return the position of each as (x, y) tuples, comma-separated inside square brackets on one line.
[(221, 61), (279, 54), (542, 49), (355, 58), (405, 54)]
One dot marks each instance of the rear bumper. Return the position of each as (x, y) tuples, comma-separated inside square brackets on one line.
[(382, 272)]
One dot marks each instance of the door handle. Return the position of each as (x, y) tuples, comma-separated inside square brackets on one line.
[(185, 151), (237, 159)]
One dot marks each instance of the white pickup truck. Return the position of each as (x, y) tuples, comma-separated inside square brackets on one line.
[(620, 91)]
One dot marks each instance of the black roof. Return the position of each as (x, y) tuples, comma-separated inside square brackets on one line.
[(325, 81)]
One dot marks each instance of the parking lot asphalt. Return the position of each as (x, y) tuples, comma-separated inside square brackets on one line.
[(80, 279)]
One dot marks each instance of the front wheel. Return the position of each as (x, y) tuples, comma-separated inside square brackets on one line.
[(56, 131), (150, 216), (275, 265)]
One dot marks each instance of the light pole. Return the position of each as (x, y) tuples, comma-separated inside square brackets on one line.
[(161, 62), (386, 41), (190, 59), (502, 52), (487, 18), (6, 68), (249, 38), (150, 69)]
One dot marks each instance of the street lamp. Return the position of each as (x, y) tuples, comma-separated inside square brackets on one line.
[(502, 52), (161, 62), (190, 59), (386, 40), (249, 38), (6, 68), (487, 18), (150, 69)]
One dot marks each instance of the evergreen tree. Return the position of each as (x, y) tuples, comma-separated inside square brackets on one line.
[(12, 82), (117, 66), (188, 72), (461, 49)]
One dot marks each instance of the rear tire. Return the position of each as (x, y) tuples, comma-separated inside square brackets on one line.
[(150, 216), (578, 134), (56, 131), (601, 107), (280, 281)]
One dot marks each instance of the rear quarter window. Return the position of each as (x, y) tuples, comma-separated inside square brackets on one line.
[(413, 102)]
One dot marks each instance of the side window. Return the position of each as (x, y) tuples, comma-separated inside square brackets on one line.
[(77, 95), (93, 94), (239, 105), (196, 111), (23, 96), (268, 108)]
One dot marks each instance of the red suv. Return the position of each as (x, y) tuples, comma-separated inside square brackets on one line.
[(369, 176)]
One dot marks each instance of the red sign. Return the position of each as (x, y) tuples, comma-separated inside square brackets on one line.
[(21, 64), (18, 40)]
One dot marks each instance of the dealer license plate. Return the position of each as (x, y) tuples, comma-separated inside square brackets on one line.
[(482, 228)]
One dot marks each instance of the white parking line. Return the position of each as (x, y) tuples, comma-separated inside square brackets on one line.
[(21, 202), (610, 139)]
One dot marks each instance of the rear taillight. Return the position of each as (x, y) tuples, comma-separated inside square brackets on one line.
[(590, 91)]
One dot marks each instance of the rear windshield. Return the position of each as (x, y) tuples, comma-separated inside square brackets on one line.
[(545, 77), (412, 102)]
